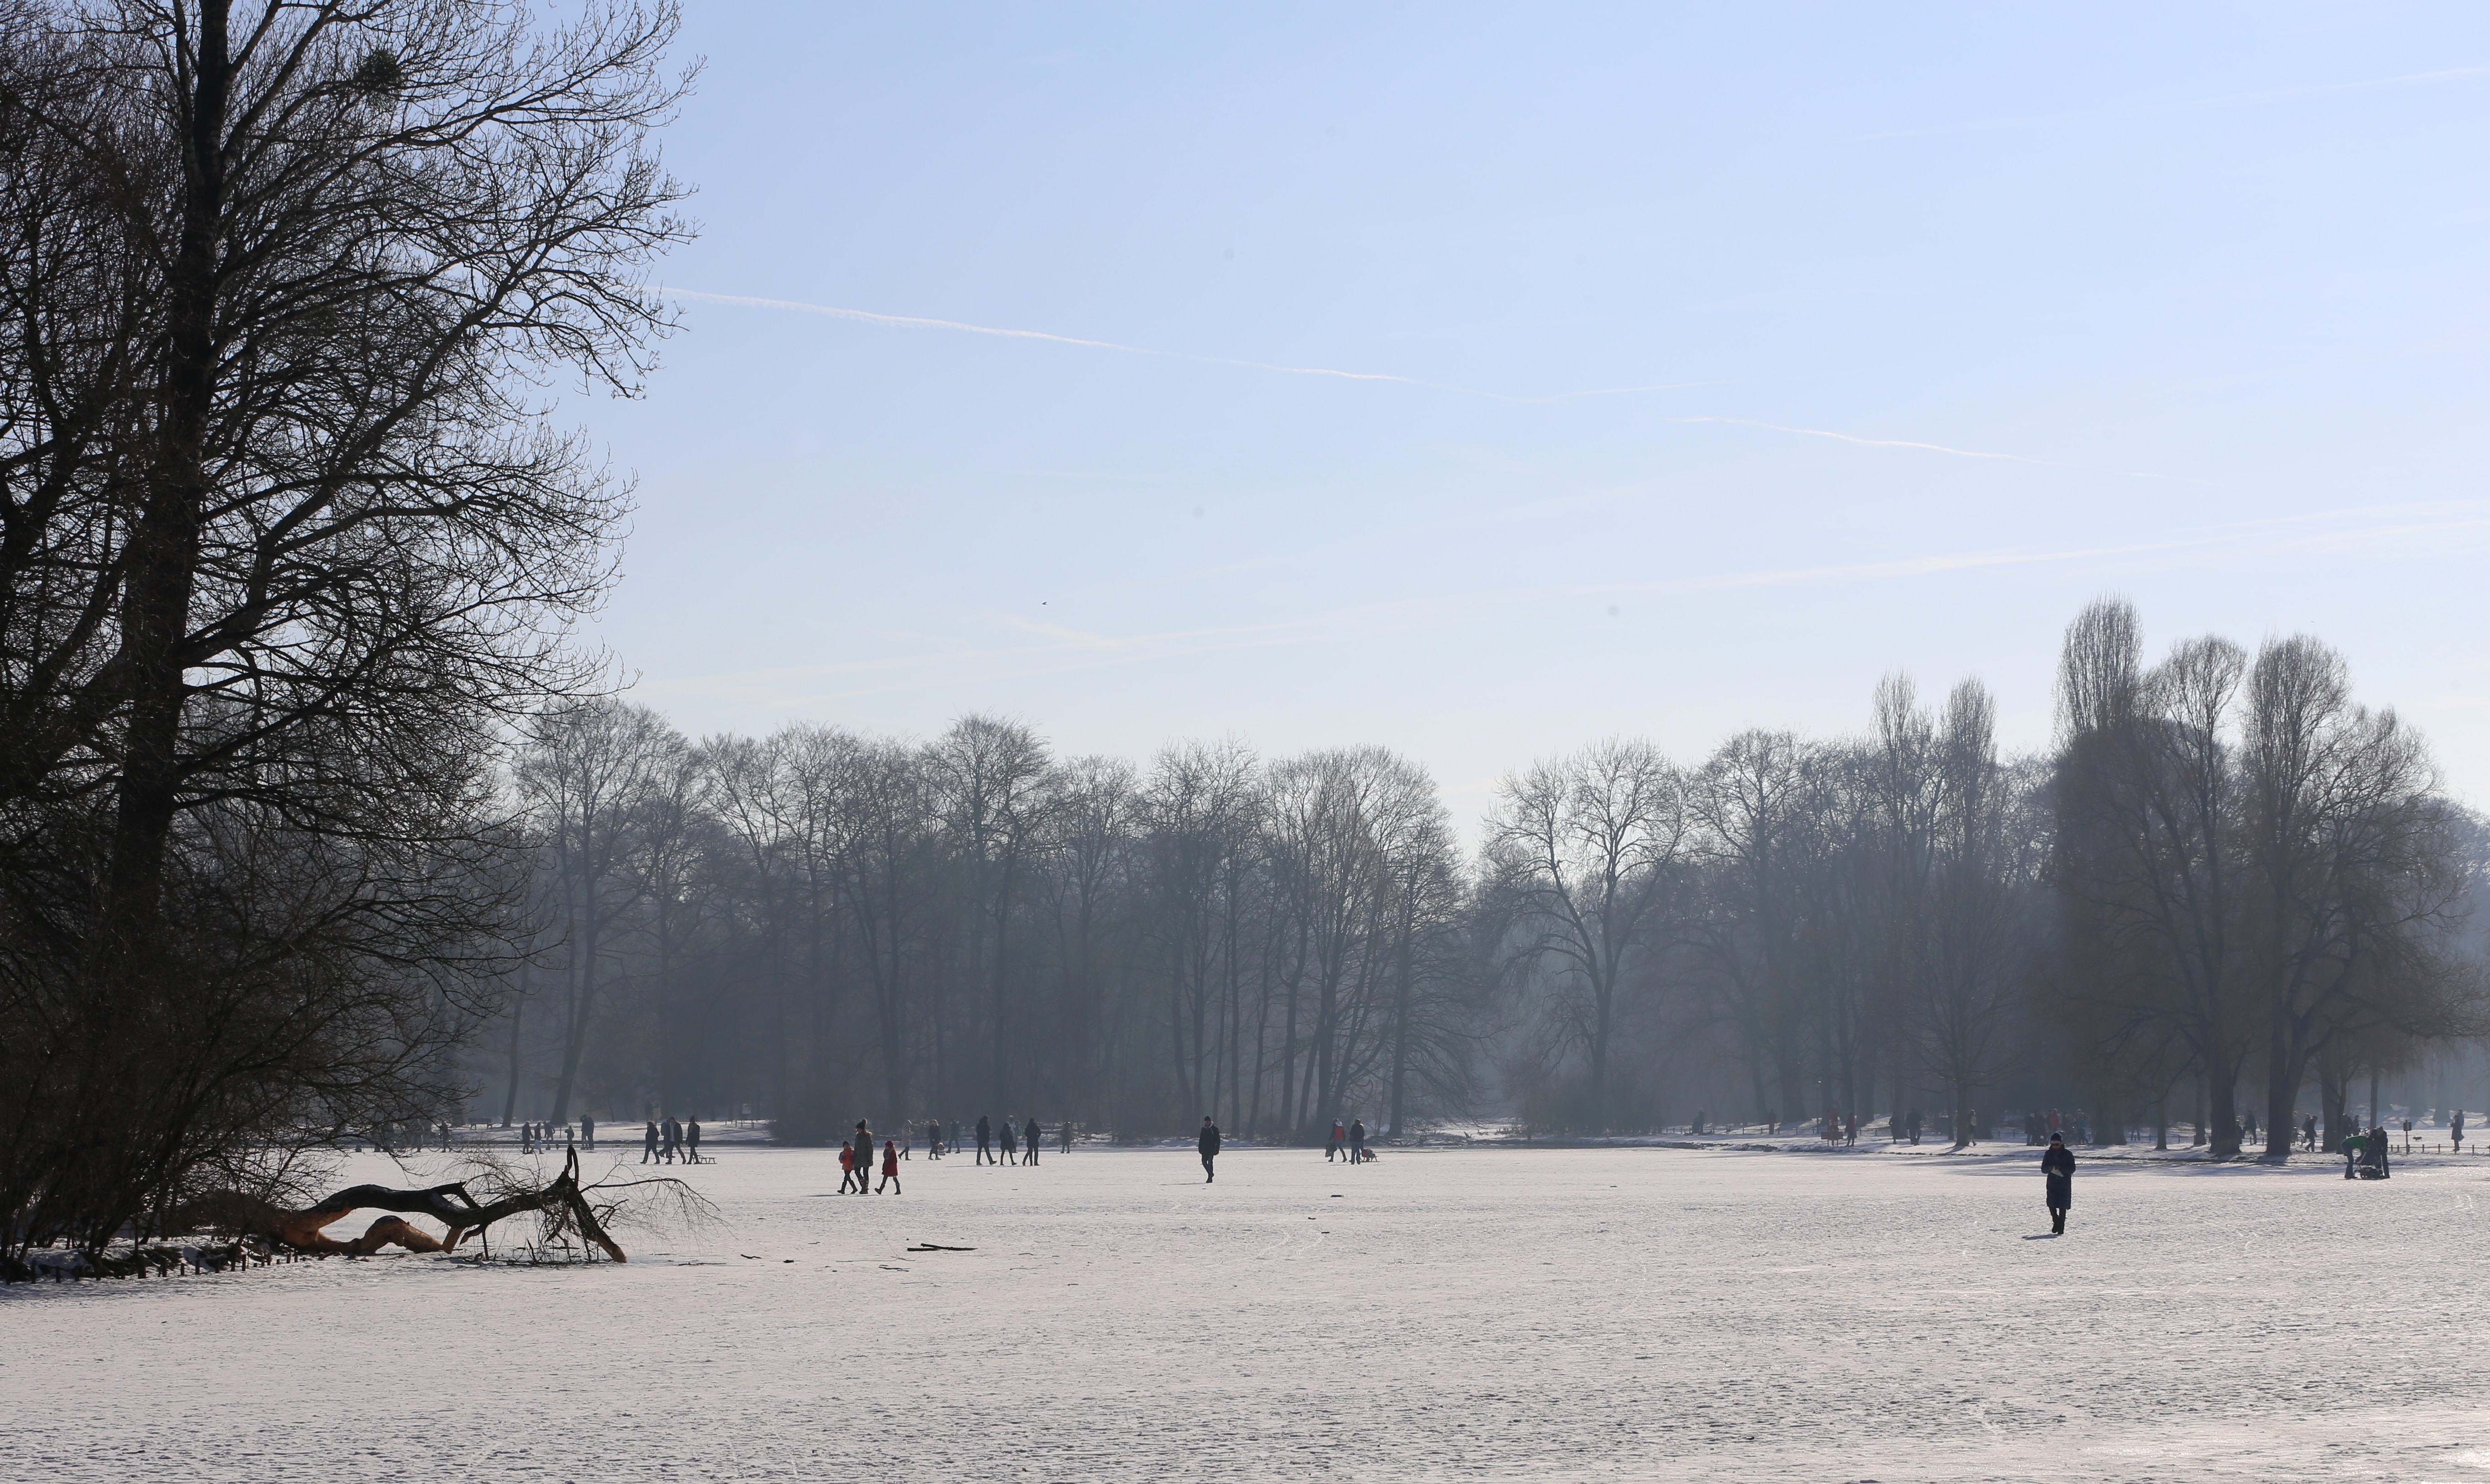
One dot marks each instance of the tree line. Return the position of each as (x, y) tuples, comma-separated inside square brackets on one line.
[(2225, 877)]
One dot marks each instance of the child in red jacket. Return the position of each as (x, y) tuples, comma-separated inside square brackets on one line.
[(890, 1166), (848, 1177)]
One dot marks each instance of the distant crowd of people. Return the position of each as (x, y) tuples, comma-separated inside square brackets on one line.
[(539, 1136), (1012, 1143)]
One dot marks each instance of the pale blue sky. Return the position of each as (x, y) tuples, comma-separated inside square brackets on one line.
[(2203, 285)]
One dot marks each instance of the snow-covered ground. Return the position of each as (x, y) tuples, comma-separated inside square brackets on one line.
[(1479, 1314)]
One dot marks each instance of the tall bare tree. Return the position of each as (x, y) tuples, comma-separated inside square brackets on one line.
[(284, 542), (597, 773), (1586, 848)]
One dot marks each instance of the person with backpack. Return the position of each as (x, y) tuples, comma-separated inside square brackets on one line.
[(847, 1170), (890, 1166), (1208, 1143)]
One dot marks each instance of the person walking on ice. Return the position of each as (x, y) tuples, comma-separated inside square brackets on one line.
[(889, 1167), (986, 1140), (1338, 1144), (1031, 1138), (1358, 1141), (1208, 1143), (648, 1143), (2057, 1168), (1011, 1141)]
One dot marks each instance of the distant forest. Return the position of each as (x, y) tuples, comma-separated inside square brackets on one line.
[(2225, 896)]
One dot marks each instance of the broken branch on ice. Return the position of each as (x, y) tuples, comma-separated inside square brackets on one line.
[(565, 1206)]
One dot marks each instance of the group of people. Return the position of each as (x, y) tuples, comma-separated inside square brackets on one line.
[(533, 1137), (1348, 1143), (1017, 1145), (2364, 1155), (669, 1142), (1020, 1146), (855, 1163)]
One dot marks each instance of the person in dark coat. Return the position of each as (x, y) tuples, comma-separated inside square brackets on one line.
[(1031, 1138), (986, 1140), (2058, 1166), (1208, 1143)]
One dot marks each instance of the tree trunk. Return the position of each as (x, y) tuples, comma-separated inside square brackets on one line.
[(164, 548), (451, 1205), (518, 1011)]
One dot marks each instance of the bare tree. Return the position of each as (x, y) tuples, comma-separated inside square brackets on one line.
[(991, 778), (284, 546), (2359, 883), (1745, 804), (594, 773), (1586, 847), (1971, 962)]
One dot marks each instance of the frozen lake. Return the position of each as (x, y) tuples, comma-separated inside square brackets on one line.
[(1485, 1314)]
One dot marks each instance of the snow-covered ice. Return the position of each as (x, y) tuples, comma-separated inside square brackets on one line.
[(1482, 1314)]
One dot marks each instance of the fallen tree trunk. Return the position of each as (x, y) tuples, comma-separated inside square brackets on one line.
[(238, 1214)]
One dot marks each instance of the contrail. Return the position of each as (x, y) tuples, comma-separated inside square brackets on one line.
[(1932, 447), (913, 322), (917, 321)]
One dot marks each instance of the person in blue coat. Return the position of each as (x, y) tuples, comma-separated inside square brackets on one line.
[(2058, 1168)]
